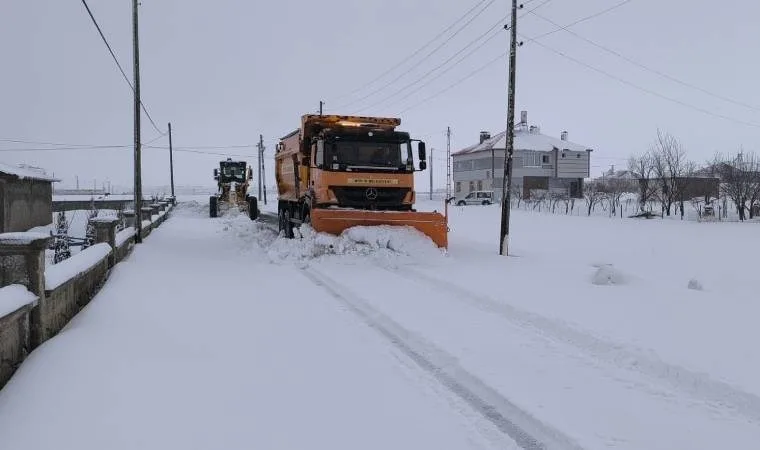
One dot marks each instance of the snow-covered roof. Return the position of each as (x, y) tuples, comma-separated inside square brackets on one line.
[(26, 172), (524, 140)]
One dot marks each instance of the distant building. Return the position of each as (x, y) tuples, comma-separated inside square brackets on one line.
[(540, 163), (26, 198)]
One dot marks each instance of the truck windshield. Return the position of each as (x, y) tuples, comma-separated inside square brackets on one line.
[(365, 154)]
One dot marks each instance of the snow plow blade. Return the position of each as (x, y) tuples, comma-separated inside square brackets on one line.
[(335, 221)]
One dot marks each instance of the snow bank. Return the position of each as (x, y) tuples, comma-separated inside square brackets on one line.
[(124, 235), (384, 244), (13, 297), (608, 275), (83, 261)]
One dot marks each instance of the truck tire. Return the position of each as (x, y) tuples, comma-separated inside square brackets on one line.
[(213, 206), (461, 203), (285, 225), (253, 208)]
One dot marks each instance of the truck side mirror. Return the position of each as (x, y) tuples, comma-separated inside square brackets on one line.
[(423, 165), (421, 151)]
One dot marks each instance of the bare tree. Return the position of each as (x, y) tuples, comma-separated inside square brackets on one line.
[(593, 195), (740, 177), (668, 163), (642, 169)]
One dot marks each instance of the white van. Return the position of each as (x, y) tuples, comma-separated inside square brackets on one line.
[(474, 198)]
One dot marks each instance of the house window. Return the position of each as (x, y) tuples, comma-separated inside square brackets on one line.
[(458, 186), (544, 159), (472, 186), (531, 159), (488, 174), (563, 155), (480, 185)]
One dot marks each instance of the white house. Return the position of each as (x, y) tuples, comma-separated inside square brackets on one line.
[(540, 162)]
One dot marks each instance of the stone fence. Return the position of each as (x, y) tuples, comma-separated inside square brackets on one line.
[(36, 302)]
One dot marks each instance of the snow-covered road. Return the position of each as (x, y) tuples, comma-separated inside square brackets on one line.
[(219, 334)]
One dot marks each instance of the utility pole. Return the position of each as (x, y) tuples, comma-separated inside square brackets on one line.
[(261, 152), (137, 168), (448, 163), (263, 173), (431, 173), (506, 188), (171, 160), (77, 176), (321, 104)]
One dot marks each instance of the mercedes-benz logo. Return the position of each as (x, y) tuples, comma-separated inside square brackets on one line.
[(371, 193)]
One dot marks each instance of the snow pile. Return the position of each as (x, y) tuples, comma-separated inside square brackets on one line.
[(14, 297), (695, 285), (606, 274), (382, 244), (67, 269)]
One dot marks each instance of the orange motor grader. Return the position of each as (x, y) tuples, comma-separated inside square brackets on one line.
[(336, 172)]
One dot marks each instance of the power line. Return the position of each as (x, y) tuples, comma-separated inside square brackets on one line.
[(642, 66), (461, 80), (385, 99), (416, 52), (57, 149), (583, 19), (498, 24), (483, 67), (421, 60), (116, 60), (643, 89)]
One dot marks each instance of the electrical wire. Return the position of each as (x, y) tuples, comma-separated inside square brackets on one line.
[(116, 60), (642, 66), (498, 24), (583, 19), (421, 60), (416, 52), (643, 89)]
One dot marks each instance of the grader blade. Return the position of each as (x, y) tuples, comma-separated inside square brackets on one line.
[(335, 221)]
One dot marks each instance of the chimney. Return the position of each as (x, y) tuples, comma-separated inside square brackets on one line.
[(484, 135), (524, 118), (563, 136)]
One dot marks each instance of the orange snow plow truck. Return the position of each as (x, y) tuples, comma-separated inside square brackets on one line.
[(336, 172)]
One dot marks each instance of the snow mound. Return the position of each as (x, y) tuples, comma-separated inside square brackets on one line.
[(695, 285), (607, 275), (385, 244)]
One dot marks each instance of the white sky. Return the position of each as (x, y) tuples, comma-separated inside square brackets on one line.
[(224, 72)]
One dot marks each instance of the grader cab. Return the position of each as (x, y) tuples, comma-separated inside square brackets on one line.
[(233, 179)]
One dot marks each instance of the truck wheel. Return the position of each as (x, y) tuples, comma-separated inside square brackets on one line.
[(287, 225), (253, 208), (486, 202), (213, 206), (461, 203), (284, 224)]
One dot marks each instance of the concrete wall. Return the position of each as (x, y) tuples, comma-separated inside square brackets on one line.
[(24, 204), (15, 341), (61, 304)]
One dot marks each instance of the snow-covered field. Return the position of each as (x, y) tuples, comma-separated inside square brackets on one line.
[(596, 333)]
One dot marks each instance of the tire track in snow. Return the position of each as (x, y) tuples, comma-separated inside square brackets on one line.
[(527, 431), (699, 385)]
